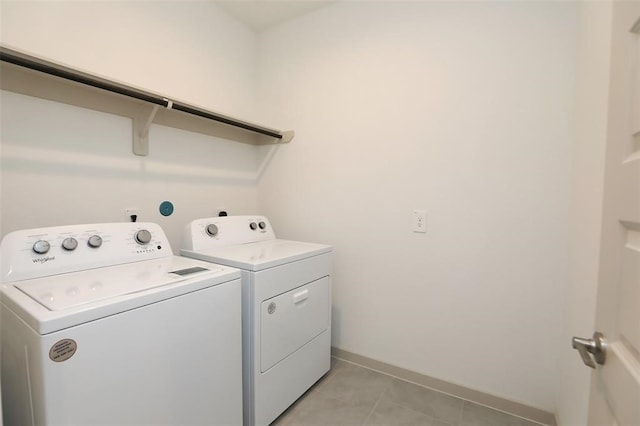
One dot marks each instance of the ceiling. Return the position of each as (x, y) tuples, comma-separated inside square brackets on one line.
[(262, 14)]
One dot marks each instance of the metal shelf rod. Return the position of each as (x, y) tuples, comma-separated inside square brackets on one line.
[(26, 61)]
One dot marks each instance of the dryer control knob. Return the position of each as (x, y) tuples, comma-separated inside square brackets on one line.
[(253, 226), (69, 244), (262, 225), (41, 246), (212, 230), (95, 241), (143, 236)]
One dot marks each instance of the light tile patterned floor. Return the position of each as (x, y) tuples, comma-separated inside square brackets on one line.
[(352, 395)]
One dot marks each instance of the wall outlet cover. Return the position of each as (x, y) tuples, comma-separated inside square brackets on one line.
[(419, 222)]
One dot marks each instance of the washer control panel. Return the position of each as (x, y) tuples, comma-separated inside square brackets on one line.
[(226, 231), (40, 252)]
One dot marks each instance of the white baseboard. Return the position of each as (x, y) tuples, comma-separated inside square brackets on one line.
[(515, 408)]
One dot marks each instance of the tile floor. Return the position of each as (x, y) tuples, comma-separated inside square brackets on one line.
[(353, 395)]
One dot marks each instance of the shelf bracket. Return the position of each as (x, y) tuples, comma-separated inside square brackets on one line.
[(141, 124), (287, 135)]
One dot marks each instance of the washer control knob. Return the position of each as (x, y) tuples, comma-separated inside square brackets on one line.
[(143, 236), (95, 241), (212, 229), (253, 226), (41, 246), (69, 244), (262, 225)]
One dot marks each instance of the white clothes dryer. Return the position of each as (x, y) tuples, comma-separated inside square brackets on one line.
[(103, 325), (286, 307)]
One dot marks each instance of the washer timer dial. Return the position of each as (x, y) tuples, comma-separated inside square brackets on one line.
[(143, 237), (41, 246), (69, 244)]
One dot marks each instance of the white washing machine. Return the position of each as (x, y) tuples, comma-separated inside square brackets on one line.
[(103, 325), (286, 305)]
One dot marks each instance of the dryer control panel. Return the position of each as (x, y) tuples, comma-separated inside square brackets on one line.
[(214, 232), (41, 252)]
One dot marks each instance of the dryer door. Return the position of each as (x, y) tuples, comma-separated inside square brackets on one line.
[(292, 319)]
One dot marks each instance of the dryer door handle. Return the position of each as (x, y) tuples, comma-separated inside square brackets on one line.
[(301, 296)]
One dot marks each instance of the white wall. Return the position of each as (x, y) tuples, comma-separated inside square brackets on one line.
[(186, 50), (63, 165), (465, 110)]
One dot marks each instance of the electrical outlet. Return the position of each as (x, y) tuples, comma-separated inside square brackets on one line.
[(220, 210), (419, 222), (132, 211)]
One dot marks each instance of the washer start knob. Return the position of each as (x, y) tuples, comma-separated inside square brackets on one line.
[(212, 229), (41, 246), (69, 244), (262, 225), (143, 236), (94, 241)]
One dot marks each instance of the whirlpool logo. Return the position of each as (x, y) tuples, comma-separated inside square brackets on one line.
[(42, 260)]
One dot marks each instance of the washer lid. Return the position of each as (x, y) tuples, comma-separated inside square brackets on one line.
[(261, 255), (53, 303), (65, 291)]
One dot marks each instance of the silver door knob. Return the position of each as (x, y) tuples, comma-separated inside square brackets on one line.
[(597, 346)]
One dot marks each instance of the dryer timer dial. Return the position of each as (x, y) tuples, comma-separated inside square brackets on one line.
[(212, 230), (94, 241)]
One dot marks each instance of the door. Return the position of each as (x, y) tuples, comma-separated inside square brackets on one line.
[(293, 319), (615, 385)]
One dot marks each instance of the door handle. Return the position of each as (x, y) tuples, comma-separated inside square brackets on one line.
[(301, 296), (597, 346)]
